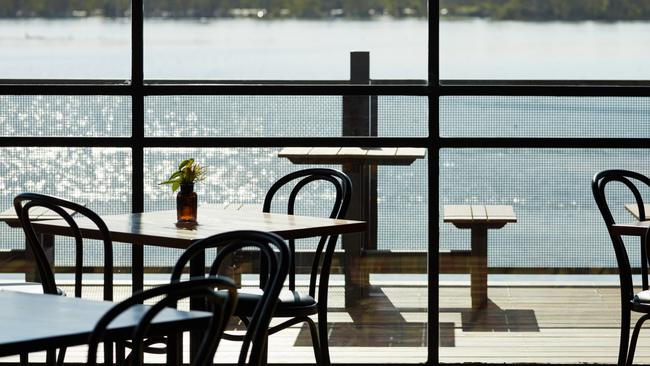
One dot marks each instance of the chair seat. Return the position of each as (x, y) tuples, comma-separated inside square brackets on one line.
[(26, 287), (290, 303)]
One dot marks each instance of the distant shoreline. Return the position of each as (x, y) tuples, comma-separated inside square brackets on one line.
[(544, 10), (370, 19), (196, 9)]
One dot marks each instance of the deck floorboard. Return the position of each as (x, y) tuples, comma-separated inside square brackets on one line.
[(522, 324)]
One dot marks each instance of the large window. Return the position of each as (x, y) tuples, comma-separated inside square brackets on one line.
[(516, 103), (99, 100), (534, 98), (528, 40)]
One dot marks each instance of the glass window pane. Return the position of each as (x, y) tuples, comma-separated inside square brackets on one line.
[(65, 40), (387, 310), (296, 116), (294, 41), (100, 178), (61, 116), (496, 40), (552, 274), (528, 116)]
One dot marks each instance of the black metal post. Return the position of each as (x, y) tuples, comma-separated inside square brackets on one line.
[(357, 122)]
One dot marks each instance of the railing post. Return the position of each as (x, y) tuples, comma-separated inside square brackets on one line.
[(358, 121)]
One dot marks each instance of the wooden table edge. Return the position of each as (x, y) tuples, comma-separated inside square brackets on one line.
[(177, 243)]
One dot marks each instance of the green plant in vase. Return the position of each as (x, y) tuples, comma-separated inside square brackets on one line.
[(188, 173)]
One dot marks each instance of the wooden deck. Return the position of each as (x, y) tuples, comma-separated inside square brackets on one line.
[(523, 323)]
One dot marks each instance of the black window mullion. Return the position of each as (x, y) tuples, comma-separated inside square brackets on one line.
[(433, 174), (137, 95), (344, 141)]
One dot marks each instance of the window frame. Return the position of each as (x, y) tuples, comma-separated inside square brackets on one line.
[(137, 88)]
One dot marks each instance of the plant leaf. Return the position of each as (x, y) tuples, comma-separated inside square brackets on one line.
[(185, 163), (174, 175)]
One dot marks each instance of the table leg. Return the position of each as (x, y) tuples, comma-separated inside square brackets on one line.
[(197, 269), (478, 267), (644, 267), (137, 267), (356, 281)]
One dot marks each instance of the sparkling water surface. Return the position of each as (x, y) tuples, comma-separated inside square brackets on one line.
[(558, 226)]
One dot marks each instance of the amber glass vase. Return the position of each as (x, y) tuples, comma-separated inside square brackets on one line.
[(186, 204)]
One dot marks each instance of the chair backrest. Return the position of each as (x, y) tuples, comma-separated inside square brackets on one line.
[(221, 304), (631, 181), (274, 263), (24, 203), (322, 262)]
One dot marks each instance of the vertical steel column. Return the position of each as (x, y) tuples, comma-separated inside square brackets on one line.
[(137, 132), (433, 153), (356, 122)]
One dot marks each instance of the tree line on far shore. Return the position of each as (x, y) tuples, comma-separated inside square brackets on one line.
[(544, 10), (216, 8)]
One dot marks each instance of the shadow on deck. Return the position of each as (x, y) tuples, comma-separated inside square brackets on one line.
[(521, 324)]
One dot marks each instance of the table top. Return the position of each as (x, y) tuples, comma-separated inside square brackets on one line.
[(465, 216), (633, 209), (36, 322), (358, 155), (35, 213), (159, 227)]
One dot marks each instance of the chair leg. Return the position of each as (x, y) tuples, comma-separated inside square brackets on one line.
[(61, 358), (635, 337), (264, 357), (120, 353), (315, 340), (24, 359), (322, 336), (625, 336), (108, 353)]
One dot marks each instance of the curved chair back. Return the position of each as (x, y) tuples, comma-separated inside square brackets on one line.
[(322, 262), (25, 202), (273, 272), (220, 303), (631, 181)]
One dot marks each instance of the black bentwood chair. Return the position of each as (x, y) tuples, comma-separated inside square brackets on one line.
[(274, 264), (24, 203), (220, 303), (630, 301), (296, 305)]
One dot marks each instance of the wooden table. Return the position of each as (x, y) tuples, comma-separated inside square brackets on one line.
[(353, 155), (361, 165), (158, 229), (478, 219), (33, 322), (26, 257), (637, 228)]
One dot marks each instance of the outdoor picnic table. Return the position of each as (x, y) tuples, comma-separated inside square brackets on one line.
[(479, 219), (353, 155), (636, 228), (360, 164)]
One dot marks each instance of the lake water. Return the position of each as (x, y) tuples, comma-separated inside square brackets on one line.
[(220, 49), (482, 49), (558, 222)]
